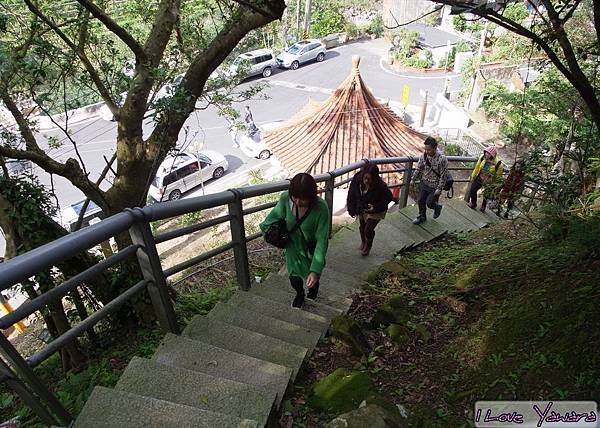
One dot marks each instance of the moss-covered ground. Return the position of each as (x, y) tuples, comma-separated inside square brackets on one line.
[(498, 314)]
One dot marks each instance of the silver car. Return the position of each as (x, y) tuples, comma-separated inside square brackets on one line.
[(301, 52), (258, 62), (178, 174)]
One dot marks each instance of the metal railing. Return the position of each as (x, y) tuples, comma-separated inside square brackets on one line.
[(18, 371)]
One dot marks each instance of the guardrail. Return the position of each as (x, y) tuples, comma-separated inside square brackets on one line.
[(18, 371)]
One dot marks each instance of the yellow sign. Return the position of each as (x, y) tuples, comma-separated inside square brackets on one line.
[(405, 93)]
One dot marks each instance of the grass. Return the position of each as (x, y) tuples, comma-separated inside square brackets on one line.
[(502, 314)]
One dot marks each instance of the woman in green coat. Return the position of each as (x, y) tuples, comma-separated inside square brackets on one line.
[(306, 250)]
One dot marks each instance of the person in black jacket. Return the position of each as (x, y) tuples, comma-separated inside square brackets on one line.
[(368, 198)]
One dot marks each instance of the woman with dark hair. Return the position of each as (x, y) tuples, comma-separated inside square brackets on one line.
[(368, 198), (307, 247)]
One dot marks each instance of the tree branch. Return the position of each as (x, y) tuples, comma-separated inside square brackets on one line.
[(70, 169), (104, 93), (86, 203), (116, 29)]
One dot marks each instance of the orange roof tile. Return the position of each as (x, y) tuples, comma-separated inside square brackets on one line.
[(349, 126)]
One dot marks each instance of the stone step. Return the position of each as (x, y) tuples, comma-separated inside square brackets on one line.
[(340, 281), (263, 324), (355, 265), (326, 295), (413, 233), (243, 341), (474, 216), (386, 236), (110, 408), (279, 311), (284, 297), (192, 388), (433, 228), (190, 354), (328, 288), (344, 247)]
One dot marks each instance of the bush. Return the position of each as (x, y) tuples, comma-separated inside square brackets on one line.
[(376, 27), (459, 23), (327, 21)]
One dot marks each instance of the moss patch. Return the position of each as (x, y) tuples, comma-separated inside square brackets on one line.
[(341, 391), (347, 330)]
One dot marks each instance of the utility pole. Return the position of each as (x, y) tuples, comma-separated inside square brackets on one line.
[(298, 5), (479, 55), (307, 14), (424, 109)]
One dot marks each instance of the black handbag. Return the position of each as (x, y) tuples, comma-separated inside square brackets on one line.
[(277, 233)]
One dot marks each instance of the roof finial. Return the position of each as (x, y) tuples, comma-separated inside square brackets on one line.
[(355, 64)]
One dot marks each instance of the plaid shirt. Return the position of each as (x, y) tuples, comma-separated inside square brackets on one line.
[(434, 172)]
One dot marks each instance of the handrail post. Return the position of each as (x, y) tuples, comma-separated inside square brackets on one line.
[(149, 262), (238, 238), (22, 369), (26, 395), (329, 188), (406, 184)]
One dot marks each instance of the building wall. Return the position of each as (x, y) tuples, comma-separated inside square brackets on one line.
[(404, 10)]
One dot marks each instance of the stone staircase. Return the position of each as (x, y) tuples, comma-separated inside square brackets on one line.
[(232, 368)]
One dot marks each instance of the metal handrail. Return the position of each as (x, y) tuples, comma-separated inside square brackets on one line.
[(69, 285), (137, 222), (167, 236)]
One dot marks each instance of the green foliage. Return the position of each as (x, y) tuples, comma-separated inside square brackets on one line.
[(31, 208), (406, 50), (201, 302), (515, 12), (326, 19), (453, 150), (190, 219), (376, 27), (461, 46), (459, 23)]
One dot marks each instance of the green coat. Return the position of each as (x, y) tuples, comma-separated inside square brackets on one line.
[(315, 228)]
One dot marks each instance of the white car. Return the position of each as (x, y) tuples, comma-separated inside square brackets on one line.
[(301, 52), (253, 145), (180, 173), (70, 215), (258, 62)]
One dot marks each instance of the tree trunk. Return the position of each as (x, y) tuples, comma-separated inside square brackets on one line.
[(307, 15)]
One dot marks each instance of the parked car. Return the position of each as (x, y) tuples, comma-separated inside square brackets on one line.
[(260, 61), (180, 173), (253, 145), (70, 215), (301, 52)]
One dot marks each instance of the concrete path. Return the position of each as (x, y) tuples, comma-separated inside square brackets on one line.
[(232, 368)]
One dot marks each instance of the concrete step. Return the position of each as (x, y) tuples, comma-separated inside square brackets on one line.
[(474, 216), (387, 237), (284, 297), (279, 311), (263, 324), (344, 247), (110, 408), (403, 223), (191, 388), (340, 285), (432, 227), (326, 295), (336, 278), (243, 341), (190, 354)]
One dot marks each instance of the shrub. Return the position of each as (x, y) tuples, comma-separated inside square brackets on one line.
[(376, 27)]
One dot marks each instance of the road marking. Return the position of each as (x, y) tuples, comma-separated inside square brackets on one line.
[(405, 76), (300, 87)]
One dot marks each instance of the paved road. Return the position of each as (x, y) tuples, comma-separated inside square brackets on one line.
[(287, 93)]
